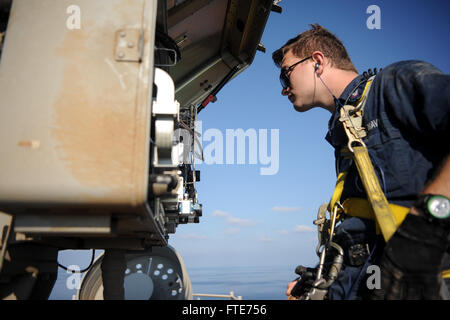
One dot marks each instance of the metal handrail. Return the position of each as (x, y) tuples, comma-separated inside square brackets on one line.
[(230, 296)]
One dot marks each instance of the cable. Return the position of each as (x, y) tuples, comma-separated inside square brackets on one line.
[(169, 44), (194, 135), (320, 78), (336, 100), (81, 271)]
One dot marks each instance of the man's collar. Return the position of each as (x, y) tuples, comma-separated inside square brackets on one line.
[(351, 93)]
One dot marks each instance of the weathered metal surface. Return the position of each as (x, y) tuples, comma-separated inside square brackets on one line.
[(74, 122), (76, 81)]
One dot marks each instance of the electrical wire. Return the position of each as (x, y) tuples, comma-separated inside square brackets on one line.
[(320, 78), (336, 100), (194, 135)]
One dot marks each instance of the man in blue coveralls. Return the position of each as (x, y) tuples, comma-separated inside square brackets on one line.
[(407, 122)]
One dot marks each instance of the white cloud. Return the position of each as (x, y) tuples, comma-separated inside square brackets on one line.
[(303, 228), (285, 209), (193, 236), (265, 239), (233, 220), (240, 222), (231, 231), (219, 213), (282, 232)]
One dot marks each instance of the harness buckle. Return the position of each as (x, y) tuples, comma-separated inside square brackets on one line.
[(352, 125)]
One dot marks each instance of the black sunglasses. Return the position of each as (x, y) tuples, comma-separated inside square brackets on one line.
[(285, 73)]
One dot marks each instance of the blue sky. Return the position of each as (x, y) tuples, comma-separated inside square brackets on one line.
[(252, 219), (266, 220)]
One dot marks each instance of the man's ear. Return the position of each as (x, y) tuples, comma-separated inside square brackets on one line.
[(319, 61)]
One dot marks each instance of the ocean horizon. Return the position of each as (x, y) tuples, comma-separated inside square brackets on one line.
[(249, 282)]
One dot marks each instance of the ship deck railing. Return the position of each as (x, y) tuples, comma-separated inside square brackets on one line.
[(230, 296)]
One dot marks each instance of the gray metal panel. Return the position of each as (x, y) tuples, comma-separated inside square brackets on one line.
[(74, 121), (214, 36), (53, 224)]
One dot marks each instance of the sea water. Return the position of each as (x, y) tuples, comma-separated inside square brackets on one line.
[(249, 282)]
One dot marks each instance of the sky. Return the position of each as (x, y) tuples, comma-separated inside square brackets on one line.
[(251, 219)]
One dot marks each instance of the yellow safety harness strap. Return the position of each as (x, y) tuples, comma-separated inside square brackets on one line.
[(383, 214), (388, 216), (337, 190), (351, 119), (361, 208), (446, 274), (366, 90)]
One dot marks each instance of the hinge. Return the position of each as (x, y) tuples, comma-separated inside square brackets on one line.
[(129, 45)]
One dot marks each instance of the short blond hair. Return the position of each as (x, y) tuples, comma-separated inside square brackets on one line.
[(320, 39)]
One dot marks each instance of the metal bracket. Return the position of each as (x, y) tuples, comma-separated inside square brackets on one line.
[(316, 294), (129, 45), (322, 226), (165, 103), (352, 126)]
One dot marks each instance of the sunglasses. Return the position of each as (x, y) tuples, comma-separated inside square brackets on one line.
[(286, 72)]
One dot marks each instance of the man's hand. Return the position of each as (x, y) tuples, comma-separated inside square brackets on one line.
[(303, 284), (291, 286), (411, 262)]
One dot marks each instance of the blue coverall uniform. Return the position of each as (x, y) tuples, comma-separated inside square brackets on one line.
[(407, 120)]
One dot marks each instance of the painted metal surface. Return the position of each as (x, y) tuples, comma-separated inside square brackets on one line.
[(74, 121), (78, 136)]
